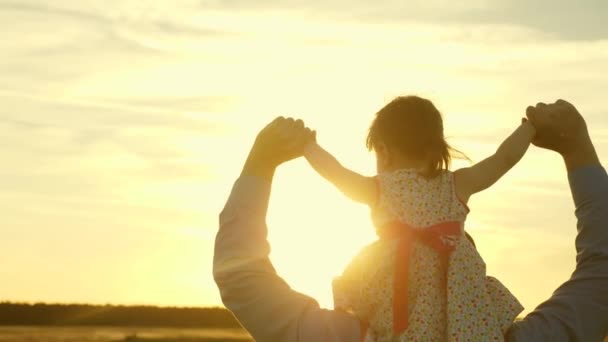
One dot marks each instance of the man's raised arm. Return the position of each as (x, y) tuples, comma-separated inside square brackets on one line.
[(578, 310), (249, 286)]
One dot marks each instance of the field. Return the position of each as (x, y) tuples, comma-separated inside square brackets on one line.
[(119, 334)]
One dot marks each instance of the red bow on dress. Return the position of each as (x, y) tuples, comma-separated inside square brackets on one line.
[(441, 237)]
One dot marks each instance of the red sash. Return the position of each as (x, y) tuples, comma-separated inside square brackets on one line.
[(441, 237)]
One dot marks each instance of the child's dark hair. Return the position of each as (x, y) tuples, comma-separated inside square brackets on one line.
[(413, 126)]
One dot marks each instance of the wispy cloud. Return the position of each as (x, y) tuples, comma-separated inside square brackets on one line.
[(48, 9), (168, 113), (568, 20)]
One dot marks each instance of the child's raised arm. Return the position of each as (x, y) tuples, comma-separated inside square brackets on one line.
[(355, 186), (484, 174)]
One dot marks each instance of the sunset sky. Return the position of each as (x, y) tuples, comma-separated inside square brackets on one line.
[(123, 125)]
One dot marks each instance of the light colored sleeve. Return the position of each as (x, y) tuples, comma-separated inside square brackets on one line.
[(578, 310), (249, 286)]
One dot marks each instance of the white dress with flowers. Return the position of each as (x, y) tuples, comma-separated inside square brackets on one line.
[(423, 280)]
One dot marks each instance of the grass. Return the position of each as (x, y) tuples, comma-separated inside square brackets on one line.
[(178, 339), (186, 339), (118, 334)]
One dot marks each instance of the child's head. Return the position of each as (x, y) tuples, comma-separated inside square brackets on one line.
[(409, 132)]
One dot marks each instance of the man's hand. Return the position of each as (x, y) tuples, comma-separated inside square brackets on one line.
[(280, 141), (561, 128)]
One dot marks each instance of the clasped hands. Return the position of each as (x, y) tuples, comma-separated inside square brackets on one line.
[(559, 127)]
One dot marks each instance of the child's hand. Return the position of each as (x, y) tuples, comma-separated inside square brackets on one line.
[(311, 143), (525, 121)]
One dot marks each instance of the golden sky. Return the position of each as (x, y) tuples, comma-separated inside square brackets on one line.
[(124, 124)]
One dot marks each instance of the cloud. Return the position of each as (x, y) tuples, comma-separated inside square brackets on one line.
[(44, 8), (163, 17), (21, 123), (568, 20), (32, 111), (562, 19), (76, 49), (67, 149), (201, 103), (119, 25), (50, 27), (571, 20), (53, 51)]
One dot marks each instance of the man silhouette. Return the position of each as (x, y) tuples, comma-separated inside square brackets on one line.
[(271, 311)]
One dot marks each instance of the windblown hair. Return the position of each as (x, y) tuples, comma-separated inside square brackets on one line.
[(413, 126)]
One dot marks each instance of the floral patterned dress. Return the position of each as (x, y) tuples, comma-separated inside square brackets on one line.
[(423, 280)]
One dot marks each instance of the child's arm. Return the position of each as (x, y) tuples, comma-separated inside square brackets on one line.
[(484, 174), (355, 186)]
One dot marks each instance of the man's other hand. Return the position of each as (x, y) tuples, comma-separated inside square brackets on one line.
[(281, 140), (561, 128)]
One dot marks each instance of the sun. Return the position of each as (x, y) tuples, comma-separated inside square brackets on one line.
[(314, 231)]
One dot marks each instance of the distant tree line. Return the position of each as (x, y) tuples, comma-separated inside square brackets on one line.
[(112, 315)]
